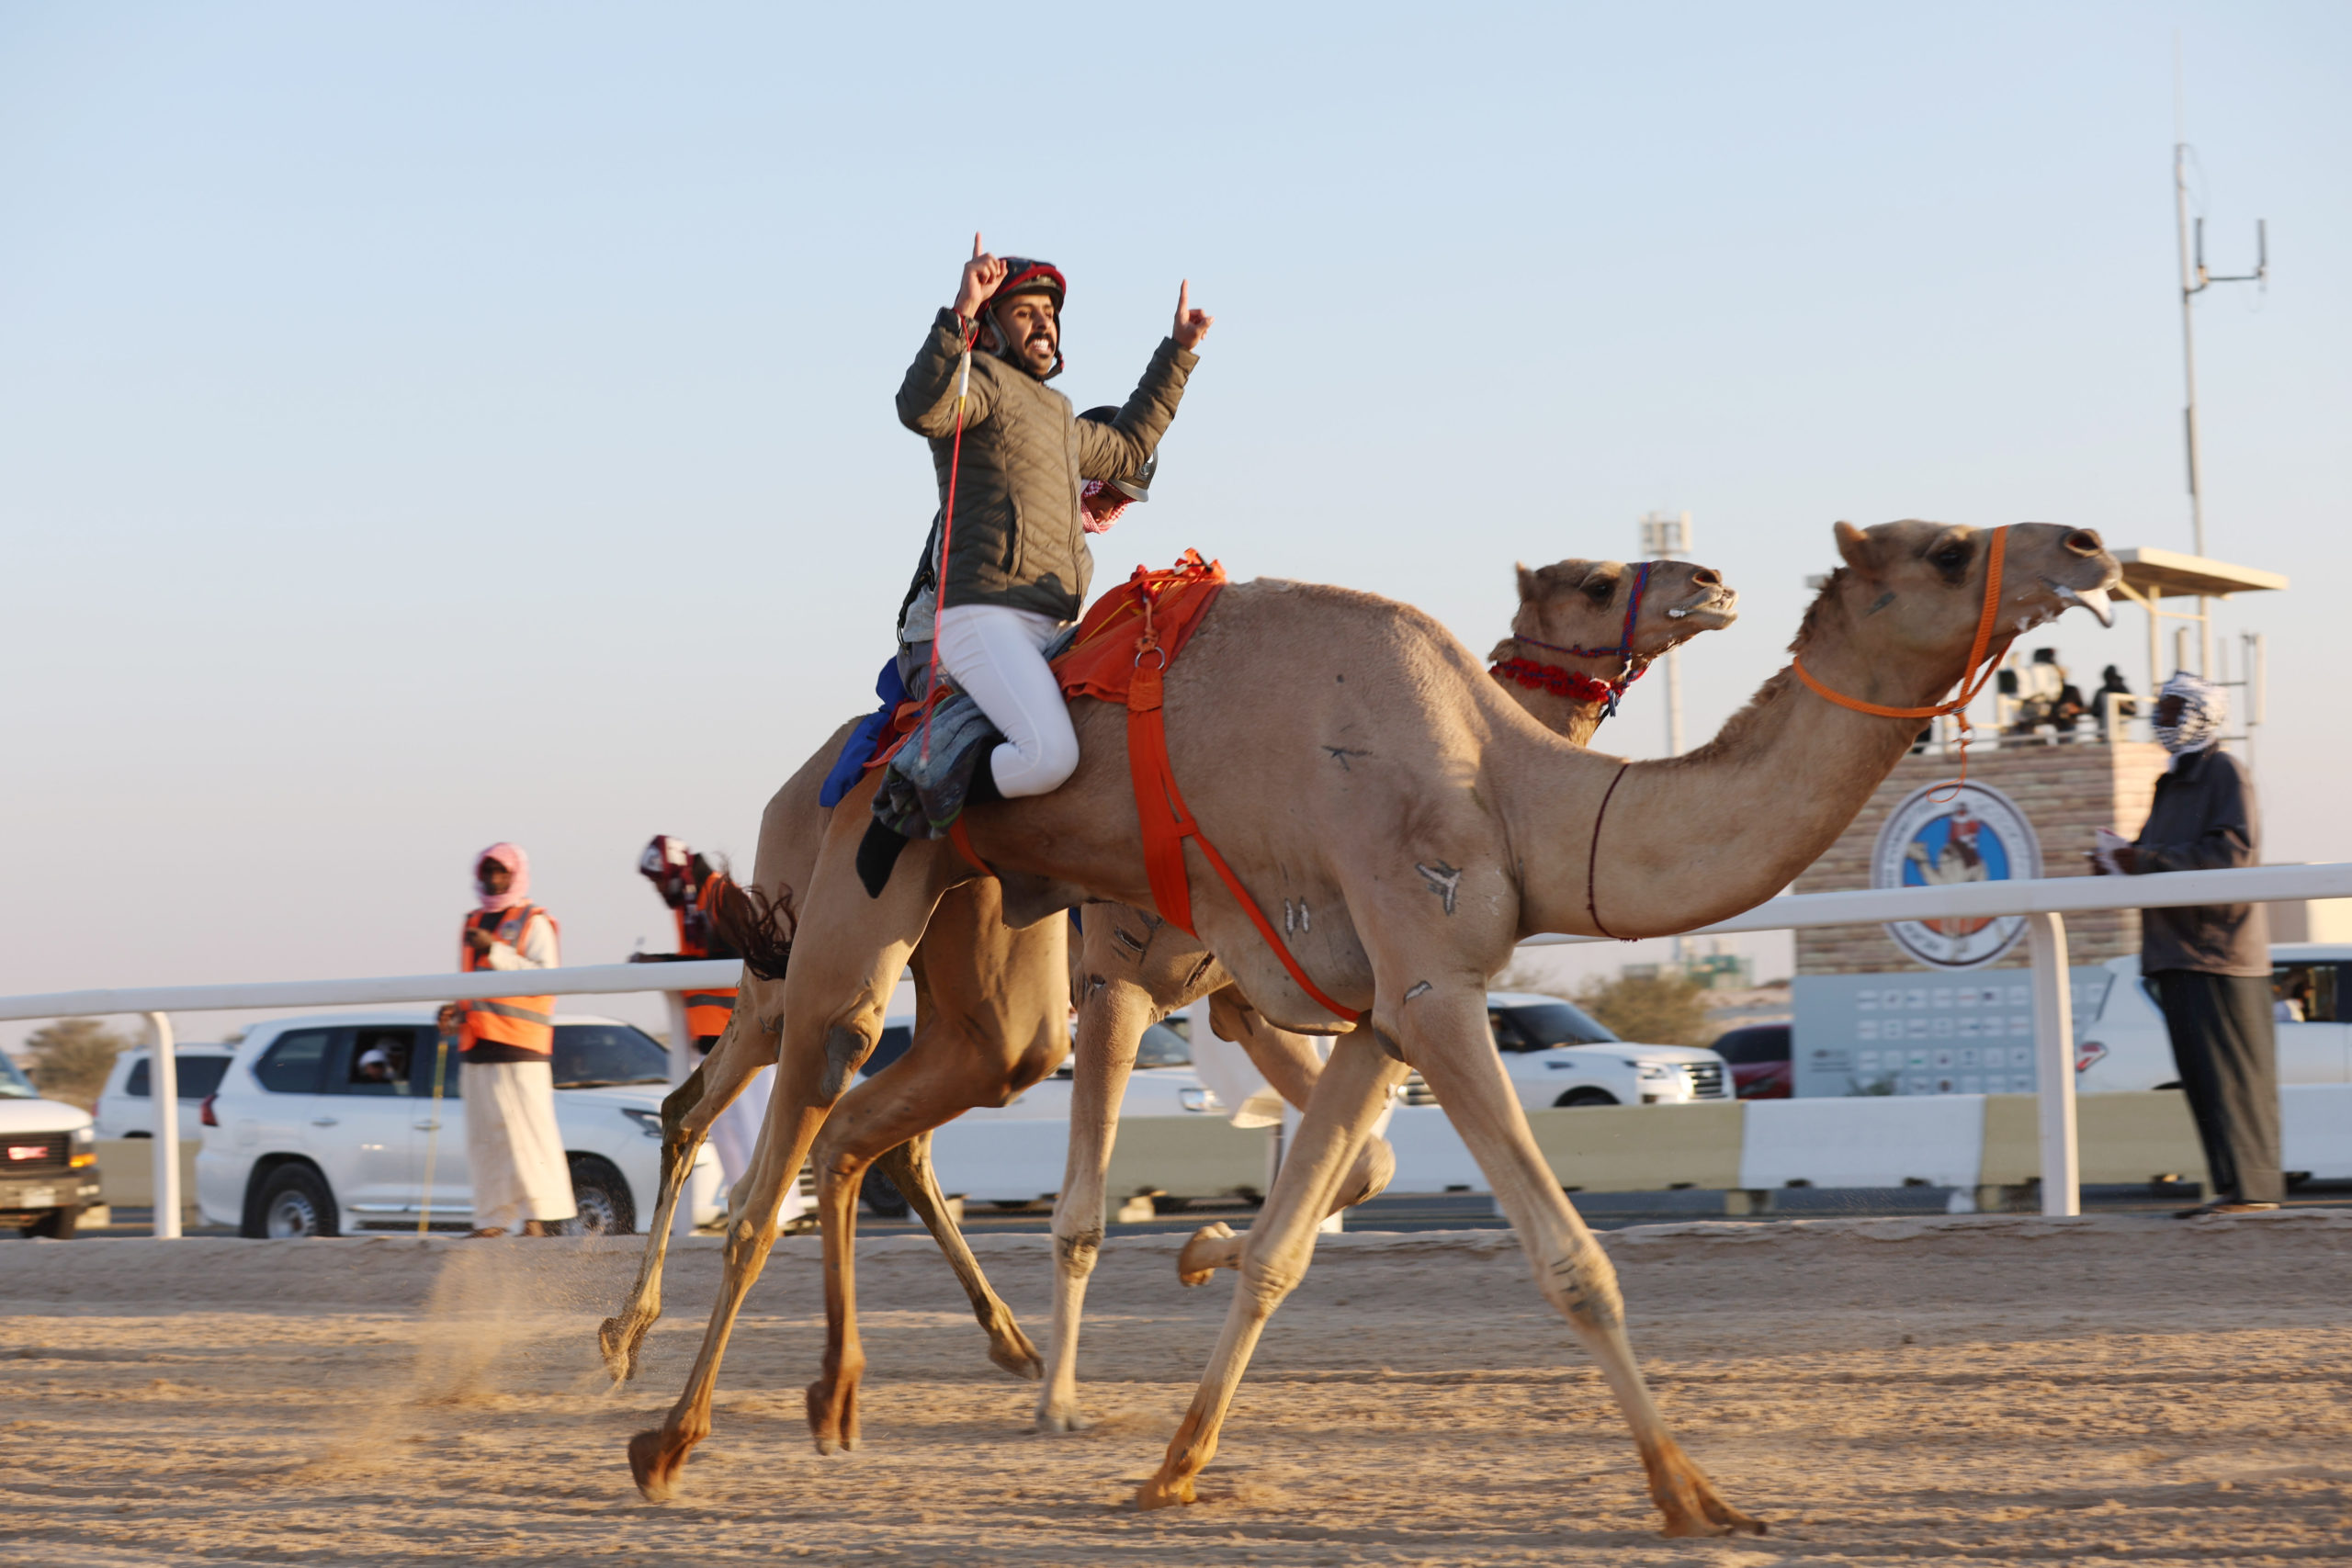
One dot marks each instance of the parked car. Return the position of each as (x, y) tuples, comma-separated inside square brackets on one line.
[(48, 1162), (1559, 1055), (2124, 1046), (1015, 1155), (1758, 1058), (303, 1137), (126, 1104)]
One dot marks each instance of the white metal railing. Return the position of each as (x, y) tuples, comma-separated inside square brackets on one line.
[(2043, 901)]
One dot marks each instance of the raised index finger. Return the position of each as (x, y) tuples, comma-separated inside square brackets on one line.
[(1184, 293), (977, 251)]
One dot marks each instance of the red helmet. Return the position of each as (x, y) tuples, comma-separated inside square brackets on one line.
[(667, 863), (1022, 275)]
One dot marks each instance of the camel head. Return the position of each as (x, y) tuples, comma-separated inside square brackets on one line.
[(1910, 593), (1582, 604)]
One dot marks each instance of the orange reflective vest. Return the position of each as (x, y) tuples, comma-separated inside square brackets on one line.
[(706, 1012), (527, 1024)]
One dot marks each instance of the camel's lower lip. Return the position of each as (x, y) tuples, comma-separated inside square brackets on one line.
[(2095, 600)]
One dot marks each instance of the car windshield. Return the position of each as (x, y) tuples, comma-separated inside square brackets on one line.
[(13, 1085), (590, 1056), (1542, 1025)]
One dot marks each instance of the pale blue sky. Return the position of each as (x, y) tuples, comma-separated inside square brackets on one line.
[(428, 424)]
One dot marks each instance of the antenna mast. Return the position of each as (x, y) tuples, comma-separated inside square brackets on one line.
[(2194, 280)]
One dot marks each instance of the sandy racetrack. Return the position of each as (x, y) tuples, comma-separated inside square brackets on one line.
[(1993, 1390)]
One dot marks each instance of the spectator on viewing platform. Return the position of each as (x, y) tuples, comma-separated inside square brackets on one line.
[(692, 888), (513, 1154), (2111, 680), (2210, 964)]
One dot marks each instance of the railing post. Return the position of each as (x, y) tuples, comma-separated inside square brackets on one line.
[(164, 1085), (2053, 1048), (682, 1064)]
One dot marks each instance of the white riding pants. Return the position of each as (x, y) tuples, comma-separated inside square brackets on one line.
[(996, 654)]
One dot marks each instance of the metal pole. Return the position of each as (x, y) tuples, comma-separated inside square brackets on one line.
[(2189, 284), (163, 1083), (2053, 1046), (682, 1062)]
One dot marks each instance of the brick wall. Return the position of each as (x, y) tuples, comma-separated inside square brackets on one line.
[(2064, 791)]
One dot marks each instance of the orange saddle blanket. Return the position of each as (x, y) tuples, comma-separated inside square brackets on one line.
[(1150, 610)]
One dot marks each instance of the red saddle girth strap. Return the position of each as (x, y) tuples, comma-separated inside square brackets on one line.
[(1166, 823)]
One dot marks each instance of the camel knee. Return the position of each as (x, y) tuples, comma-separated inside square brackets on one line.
[(678, 1104), (1582, 1284), (1079, 1251), (845, 1049), (1266, 1283)]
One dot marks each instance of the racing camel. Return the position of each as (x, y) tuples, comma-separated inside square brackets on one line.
[(1430, 824), (992, 1002)]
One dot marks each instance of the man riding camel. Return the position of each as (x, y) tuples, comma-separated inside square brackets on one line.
[(1016, 565)]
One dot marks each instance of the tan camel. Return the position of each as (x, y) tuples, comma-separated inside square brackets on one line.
[(1575, 644), (1454, 826), (987, 1020)]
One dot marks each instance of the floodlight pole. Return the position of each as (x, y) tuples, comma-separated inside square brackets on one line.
[(2194, 280)]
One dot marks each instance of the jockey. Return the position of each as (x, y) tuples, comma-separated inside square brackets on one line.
[(1016, 564)]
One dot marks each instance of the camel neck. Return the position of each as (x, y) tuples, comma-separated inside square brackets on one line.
[(1692, 839)]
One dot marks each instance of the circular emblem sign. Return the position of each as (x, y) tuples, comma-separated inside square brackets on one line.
[(1937, 838)]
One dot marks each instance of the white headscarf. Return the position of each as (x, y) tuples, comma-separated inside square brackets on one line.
[(2204, 710)]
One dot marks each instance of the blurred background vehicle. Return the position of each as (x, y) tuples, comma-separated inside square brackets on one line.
[(48, 1170), (2124, 1046), (1558, 1055), (1757, 1055), (322, 1126), (126, 1106)]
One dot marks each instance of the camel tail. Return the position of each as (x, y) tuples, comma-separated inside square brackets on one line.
[(758, 927)]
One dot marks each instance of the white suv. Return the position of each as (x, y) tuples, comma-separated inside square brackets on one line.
[(2123, 1046), (301, 1139), (126, 1104), (1559, 1055)]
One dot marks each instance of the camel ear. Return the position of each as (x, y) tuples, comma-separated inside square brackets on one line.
[(1527, 584), (1860, 550)]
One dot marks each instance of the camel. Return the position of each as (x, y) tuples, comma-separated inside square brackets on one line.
[(1430, 824), (1560, 664), (986, 1016)]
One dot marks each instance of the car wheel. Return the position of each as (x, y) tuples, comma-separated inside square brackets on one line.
[(295, 1203), (881, 1196), (56, 1225), (601, 1194), (1577, 1099)]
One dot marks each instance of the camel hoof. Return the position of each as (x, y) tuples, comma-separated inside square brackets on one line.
[(1059, 1417), (1161, 1493), (619, 1347), (652, 1466), (1204, 1255), (1011, 1350)]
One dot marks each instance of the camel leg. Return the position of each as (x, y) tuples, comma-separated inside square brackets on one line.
[(845, 968), (1290, 1065), (1445, 1035), (909, 1169), (886, 1112), (687, 1117), (1110, 1027), (1355, 1084)]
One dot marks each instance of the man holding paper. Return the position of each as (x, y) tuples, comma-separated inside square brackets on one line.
[(2210, 964)]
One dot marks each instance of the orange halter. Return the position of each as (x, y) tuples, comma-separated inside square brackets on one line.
[(1980, 652)]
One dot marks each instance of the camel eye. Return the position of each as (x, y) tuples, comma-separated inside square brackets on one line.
[(1951, 555), (1600, 592)]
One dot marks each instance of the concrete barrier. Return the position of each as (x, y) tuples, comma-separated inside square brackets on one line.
[(127, 1170), (1978, 1143)]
